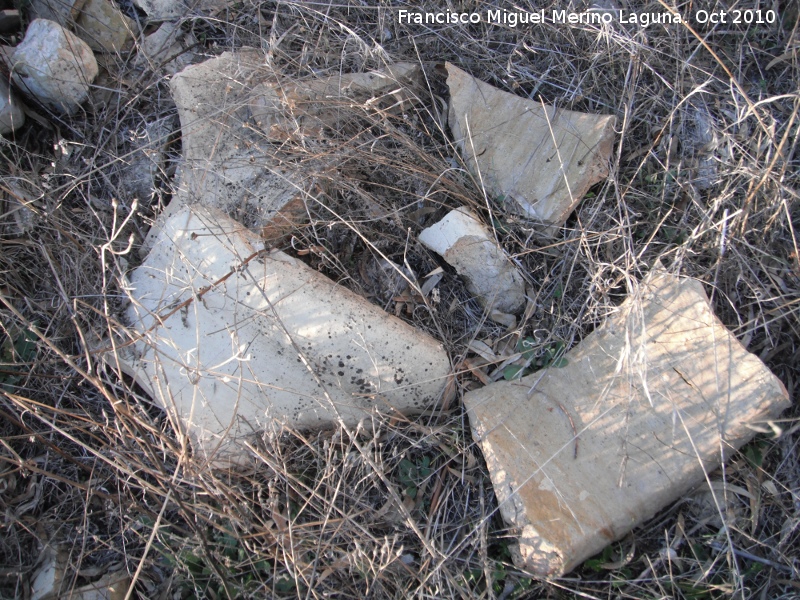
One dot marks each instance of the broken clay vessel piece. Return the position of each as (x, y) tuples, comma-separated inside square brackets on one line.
[(234, 108), (235, 341), (226, 161), (648, 404), (466, 245), (538, 159)]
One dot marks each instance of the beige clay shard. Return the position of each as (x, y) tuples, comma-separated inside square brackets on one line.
[(234, 108), (232, 340), (465, 244), (538, 159), (648, 404)]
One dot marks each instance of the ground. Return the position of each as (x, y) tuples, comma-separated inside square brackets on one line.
[(704, 177)]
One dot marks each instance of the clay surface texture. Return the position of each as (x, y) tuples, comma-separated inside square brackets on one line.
[(536, 160), (234, 341), (648, 403), (466, 244)]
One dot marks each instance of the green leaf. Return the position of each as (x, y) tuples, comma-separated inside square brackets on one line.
[(527, 347), (284, 583), (499, 226), (406, 472), (754, 455), (424, 470), (192, 562), (596, 564), (472, 576), (262, 566), (25, 345), (513, 372)]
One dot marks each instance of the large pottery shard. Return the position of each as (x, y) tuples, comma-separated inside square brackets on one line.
[(234, 108), (227, 163), (538, 159), (232, 340), (647, 404)]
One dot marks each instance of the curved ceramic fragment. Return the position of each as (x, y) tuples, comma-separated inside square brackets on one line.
[(234, 339), (647, 404)]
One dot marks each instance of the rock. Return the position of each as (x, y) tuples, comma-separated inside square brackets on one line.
[(54, 66), (12, 116), (234, 341), (227, 160), (9, 21), (47, 580), (113, 586), (162, 10), (99, 23), (466, 245), (103, 26), (164, 49), (648, 404), (166, 10), (508, 142), (52, 581)]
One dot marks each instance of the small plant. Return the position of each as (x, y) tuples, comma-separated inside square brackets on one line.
[(412, 474), (552, 355), (18, 348), (223, 568), (754, 452)]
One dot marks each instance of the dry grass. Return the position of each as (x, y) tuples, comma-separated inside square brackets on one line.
[(704, 177)]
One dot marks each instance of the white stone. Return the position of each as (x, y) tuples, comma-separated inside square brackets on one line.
[(162, 10), (113, 586), (466, 244), (648, 404), (49, 576), (11, 114), (52, 579), (54, 65), (63, 12), (538, 159), (271, 341)]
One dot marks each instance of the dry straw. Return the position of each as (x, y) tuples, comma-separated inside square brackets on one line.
[(704, 177)]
